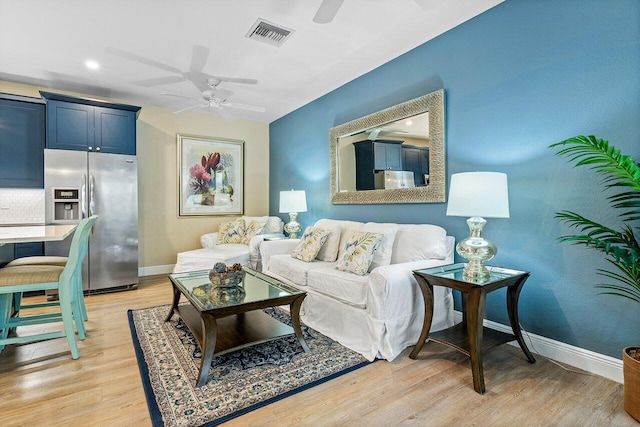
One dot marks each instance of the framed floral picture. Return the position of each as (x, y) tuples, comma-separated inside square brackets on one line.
[(211, 178)]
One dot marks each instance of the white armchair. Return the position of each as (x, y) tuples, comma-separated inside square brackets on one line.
[(229, 253)]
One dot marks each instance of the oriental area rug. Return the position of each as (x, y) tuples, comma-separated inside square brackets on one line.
[(240, 381)]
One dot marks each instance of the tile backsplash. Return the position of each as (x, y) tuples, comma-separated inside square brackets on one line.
[(21, 206)]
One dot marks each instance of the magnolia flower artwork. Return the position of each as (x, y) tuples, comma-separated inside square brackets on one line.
[(211, 176)]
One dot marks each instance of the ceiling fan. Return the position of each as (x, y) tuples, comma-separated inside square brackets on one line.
[(329, 8), (211, 95), (216, 100), (195, 75)]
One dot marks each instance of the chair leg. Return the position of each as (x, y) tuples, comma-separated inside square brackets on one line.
[(17, 301), (67, 319), (77, 316), (83, 307), (5, 313)]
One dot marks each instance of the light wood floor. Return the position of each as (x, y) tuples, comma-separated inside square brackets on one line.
[(40, 385)]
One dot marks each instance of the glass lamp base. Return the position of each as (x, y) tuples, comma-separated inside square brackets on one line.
[(476, 250), (293, 226)]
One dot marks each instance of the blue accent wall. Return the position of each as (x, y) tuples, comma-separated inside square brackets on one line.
[(519, 77)]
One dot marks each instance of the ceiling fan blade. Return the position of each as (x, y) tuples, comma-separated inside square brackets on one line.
[(327, 11), (199, 57), (182, 96), (248, 107), (236, 80), (374, 134), (199, 80), (184, 110), (159, 81), (227, 115), (143, 60), (427, 5), (221, 94)]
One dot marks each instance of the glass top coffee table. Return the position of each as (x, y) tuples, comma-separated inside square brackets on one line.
[(227, 319)]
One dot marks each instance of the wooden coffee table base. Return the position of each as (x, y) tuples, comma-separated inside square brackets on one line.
[(224, 332)]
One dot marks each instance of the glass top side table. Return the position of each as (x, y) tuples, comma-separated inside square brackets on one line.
[(469, 336)]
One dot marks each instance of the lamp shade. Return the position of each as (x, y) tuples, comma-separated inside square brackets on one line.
[(482, 194), (293, 201)]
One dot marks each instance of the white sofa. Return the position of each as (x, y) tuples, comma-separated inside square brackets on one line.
[(229, 253), (378, 314)]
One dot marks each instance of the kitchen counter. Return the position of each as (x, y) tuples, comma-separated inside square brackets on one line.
[(35, 233)]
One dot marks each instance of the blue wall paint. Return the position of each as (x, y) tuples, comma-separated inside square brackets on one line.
[(517, 78)]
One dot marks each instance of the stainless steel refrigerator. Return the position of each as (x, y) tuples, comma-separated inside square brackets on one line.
[(80, 184), (393, 179)]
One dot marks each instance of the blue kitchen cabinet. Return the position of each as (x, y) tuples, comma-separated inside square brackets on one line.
[(70, 126), (22, 140), (90, 125), (28, 249), (416, 160)]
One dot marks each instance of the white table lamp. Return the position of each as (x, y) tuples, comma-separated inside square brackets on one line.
[(477, 195), (292, 202)]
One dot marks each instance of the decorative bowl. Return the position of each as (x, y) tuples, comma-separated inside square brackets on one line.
[(229, 279)]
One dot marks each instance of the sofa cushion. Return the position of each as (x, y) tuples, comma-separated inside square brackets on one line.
[(249, 219), (415, 242), (343, 286), (204, 259), (310, 244), (383, 253), (329, 250), (231, 232), (293, 269), (358, 252), (327, 223), (253, 228)]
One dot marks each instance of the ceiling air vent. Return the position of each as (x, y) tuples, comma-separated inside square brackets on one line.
[(268, 32)]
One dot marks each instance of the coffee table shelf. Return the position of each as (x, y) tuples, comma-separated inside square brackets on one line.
[(223, 320)]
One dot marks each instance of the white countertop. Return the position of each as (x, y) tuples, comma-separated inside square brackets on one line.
[(35, 233)]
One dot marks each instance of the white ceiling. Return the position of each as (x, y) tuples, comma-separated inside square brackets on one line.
[(46, 43)]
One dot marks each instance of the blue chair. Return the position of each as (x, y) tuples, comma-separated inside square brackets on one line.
[(24, 278), (59, 261)]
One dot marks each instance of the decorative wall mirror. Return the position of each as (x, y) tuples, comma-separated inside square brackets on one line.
[(396, 155)]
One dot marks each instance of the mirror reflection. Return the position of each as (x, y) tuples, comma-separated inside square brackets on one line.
[(396, 155), (391, 155)]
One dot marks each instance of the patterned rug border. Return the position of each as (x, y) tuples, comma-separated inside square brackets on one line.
[(152, 405)]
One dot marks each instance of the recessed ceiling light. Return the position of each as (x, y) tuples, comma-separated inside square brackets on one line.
[(408, 123), (91, 64)]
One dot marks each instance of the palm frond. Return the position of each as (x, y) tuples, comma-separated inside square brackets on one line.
[(619, 169), (620, 246)]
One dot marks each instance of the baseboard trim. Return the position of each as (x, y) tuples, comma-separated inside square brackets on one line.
[(587, 360), (156, 269)]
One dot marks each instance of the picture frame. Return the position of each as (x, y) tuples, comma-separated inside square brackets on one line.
[(211, 176)]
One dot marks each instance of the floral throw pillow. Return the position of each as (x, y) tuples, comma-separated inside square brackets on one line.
[(310, 244), (358, 252), (253, 229), (231, 232)]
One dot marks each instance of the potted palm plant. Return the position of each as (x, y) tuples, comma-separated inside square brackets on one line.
[(619, 246)]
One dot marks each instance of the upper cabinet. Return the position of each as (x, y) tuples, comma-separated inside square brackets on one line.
[(372, 156), (22, 139), (89, 125), (416, 160)]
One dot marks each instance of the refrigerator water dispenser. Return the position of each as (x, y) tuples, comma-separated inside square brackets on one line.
[(66, 205)]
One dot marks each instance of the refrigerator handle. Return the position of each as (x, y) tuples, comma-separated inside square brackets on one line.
[(92, 187), (83, 196)]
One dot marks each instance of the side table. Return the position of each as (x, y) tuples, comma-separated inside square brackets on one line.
[(469, 336)]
